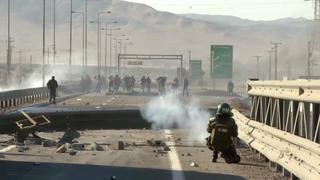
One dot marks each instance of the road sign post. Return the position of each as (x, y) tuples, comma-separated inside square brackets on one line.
[(221, 62), (195, 70)]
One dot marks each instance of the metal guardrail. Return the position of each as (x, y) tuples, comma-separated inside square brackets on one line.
[(296, 90), (14, 98), (292, 106), (295, 154), (22, 96)]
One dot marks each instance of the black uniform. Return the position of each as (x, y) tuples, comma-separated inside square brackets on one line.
[(223, 130), (52, 86)]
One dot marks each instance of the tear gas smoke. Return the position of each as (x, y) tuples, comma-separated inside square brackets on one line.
[(169, 112)]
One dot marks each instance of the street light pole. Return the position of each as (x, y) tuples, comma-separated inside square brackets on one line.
[(309, 59), (70, 49), (110, 52), (43, 42), (105, 50), (110, 48), (276, 44), (116, 52), (54, 31), (116, 55), (86, 34), (270, 59), (98, 41), (83, 39), (9, 43)]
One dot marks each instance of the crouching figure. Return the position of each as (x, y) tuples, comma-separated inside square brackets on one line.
[(223, 133)]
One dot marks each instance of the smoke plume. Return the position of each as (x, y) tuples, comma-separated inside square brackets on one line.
[(169, 112)]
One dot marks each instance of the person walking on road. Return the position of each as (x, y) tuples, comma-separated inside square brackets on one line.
[(52, 86), (186, 87), (143, 83), (148, 84), (230, 88)]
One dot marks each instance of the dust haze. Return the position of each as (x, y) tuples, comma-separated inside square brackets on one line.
[(151, 32)]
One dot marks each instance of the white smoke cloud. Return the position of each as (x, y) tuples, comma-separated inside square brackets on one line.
[(169, 112)]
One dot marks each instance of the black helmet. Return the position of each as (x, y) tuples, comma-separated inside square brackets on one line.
[(224, 109)]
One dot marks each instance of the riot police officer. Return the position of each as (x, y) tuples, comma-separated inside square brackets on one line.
[(223, 131)]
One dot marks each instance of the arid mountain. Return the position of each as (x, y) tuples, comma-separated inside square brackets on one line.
[(158, 32)]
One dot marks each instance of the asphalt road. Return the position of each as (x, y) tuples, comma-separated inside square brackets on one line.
[(139, 160)]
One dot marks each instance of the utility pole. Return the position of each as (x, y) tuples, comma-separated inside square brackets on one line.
[(309, 59), (20, 57), (116, 52), (98, 40), (70, 48), (258, 70), (31, 63), (48, 56), (54, 31), (116, 56), (43, 42), (9, 43), (189, 58), (20, 67), (105, 50), (314, 44), (110, 53), (276, 44), (289, 70), (270, 64)]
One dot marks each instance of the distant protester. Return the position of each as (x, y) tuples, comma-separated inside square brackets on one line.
[(52, 86)]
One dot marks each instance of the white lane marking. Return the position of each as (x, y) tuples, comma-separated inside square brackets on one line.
[(177, 173), (7, 148)]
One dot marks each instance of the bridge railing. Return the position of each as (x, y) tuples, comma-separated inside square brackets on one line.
[(290, 106), (9, 99), (293, 155)]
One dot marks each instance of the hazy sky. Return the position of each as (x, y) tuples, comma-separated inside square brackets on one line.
[(249, 9)]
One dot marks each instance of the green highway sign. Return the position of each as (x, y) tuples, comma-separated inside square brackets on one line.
[(195, 69), (221, 64)]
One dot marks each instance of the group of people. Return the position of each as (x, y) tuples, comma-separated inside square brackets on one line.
[(222, 128), (145, 84), (85, 84), (114, 84)]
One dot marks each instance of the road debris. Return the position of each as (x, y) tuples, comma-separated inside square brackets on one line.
[(72, 152), (23, 148), (193, 164), (48, 143), (33, 140), (166, 148), (157, 143), (62, 149), (96, 147), (78, 146), (120, 145), (69, 136)]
